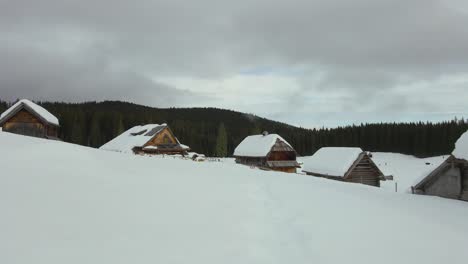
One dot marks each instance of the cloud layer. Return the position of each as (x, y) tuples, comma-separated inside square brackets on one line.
[(311, 63)]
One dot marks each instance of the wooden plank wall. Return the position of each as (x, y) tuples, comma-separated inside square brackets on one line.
[(288, 170), (464, 195), (365, 172), (281, 146), (25, 123), (52, 131), (282, 155), (163, 137), (24, 116), (252, 161)]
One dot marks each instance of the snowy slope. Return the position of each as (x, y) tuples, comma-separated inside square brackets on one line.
[(407, 170), (63, 203)]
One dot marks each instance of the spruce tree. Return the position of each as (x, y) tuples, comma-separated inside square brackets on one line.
[(95, 132), (94, 124), (76, 135), (119, 128), (221, 142), (3, 106), (256, 130)]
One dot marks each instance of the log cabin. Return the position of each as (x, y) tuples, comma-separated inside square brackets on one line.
[(344, 164), (29, 119), (151, 139), (450, 179), (267, 151)]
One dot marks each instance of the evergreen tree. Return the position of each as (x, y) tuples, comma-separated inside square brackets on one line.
[(94, 124), (221, 142), (3, 106), (119, 128), (77, 135), (95, 132), (256, 130)]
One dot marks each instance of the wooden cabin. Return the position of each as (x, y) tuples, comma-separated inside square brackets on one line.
[(29, 119), (152, 139), (267, 151), (450, 179), (344, 164)]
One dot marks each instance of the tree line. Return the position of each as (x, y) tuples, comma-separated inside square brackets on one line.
[(216, 132)]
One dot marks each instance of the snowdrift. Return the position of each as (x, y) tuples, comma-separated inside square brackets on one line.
[(63, 203)]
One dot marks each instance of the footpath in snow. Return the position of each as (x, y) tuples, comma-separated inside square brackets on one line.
[(63, 203)]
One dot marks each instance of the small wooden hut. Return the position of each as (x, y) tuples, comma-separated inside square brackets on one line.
[(344, 164), (152, 139), (29, 119), (450, 179), (267, 151)]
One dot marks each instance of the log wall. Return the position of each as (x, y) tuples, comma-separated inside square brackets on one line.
[(24, 116), (52, 131), (282, 155), (447, 184), (252, 161), (25, 123), (365, 172), (464, 194), (163, 137), (288, 170), (261, 162)]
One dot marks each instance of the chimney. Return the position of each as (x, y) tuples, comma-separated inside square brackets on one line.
[(265, 133)]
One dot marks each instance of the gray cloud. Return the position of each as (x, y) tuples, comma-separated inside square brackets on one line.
[(115, 49), (44, 76)]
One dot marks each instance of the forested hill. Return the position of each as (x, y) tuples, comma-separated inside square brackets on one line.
[(211, 130)]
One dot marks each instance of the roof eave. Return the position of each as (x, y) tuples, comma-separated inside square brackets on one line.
[(31, 110), (322, 175)]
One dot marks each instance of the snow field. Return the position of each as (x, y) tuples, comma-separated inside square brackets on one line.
[(63, 203)]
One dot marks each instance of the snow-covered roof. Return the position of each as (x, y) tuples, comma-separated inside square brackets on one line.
[(332, 161), (406, 170), (150, 147), (136, 136), (191, 155), (429, 172), (36, 109), (461, 147), (257, 145), (184, 146)]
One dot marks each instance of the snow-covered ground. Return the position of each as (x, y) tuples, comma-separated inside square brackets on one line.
[(406, 170), (62, 203)]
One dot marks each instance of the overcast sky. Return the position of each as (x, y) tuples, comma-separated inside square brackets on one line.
[(304, 62)]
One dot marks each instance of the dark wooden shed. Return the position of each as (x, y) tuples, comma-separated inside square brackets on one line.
[(344, 164), (267, 151), (29, 119), (450, 179)]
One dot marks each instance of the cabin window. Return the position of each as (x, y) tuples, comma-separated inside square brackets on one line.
[(166, 139), (138, 133)]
